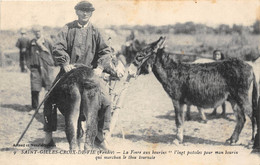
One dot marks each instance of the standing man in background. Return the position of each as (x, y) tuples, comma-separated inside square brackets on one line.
[(40, 63), (23, 43)]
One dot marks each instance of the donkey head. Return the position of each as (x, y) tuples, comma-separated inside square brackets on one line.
[(112, 65), (145, 58)]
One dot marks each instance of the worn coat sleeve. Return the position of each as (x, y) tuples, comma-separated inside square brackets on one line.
[(50, 46), (103, 50), (46, 55), (60, 48)]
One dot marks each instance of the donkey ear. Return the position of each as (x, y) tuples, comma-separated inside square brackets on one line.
[(159, 44), (162, 42)]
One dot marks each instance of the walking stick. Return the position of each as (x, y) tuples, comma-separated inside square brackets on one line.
[(37, 110)]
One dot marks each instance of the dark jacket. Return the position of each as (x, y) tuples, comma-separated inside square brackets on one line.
[(40, 63), (22, 43), (77, 44)]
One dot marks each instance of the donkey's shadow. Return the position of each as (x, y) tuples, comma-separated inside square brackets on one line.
[(170, 115), (168, 138), (17, 107)]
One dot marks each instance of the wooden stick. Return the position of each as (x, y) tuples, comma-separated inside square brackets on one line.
[(37, 110)]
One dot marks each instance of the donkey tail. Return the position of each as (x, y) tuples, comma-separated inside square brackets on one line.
[(255, 95)]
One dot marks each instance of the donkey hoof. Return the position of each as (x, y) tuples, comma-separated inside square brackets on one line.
[(213, 114), (88, 147), (104, 145), (188, 118), (223, 115), (228, 142), (231, 141), (256, 151), (177, 142), (204, 121)]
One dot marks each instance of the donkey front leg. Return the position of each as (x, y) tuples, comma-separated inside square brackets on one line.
[(179, 120), (240, 119), (71, 117)]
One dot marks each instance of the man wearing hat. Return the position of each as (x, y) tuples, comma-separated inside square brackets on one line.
[(40, 63), (22, 43), (79, 42)]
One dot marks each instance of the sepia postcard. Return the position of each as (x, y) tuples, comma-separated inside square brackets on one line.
[(178, 78)]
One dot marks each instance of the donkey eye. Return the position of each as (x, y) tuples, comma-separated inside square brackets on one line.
[(139, 57)]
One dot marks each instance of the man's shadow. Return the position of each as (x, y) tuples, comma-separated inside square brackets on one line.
[(39, 116)]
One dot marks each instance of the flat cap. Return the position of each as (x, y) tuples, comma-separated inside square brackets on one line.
[(23, 31), (36, 29), (85, 6)]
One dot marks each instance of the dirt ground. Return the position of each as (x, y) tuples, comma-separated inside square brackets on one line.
[(146, 120)]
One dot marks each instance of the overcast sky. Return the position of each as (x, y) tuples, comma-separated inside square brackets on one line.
[(16, 14)]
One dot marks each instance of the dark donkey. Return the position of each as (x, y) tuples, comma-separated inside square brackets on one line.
[(78, 97), (205, 85)]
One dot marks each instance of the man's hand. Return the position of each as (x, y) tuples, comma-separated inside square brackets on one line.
[(128, 43), (98, 71), (132, 70), (23, 50), (40, 43), (106, 76), (120, 70), (68, 68)]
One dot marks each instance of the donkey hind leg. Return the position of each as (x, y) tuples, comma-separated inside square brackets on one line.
[(223, 114), (188, 117), (179, 120), (239, 111), (255, 115), (71, 117), (252, 117), (202, 115), (253, 121), (214, 113), (91, 106), (256, 145)]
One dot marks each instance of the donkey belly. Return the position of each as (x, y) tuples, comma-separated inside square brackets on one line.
[(206, 98), (207, 103)]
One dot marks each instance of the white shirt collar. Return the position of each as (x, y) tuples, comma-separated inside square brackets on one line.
[(83, 26)]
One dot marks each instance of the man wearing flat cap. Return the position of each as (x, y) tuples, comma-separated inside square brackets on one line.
[(79, 42), (22, 43), (84, 6), (40, 63)]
